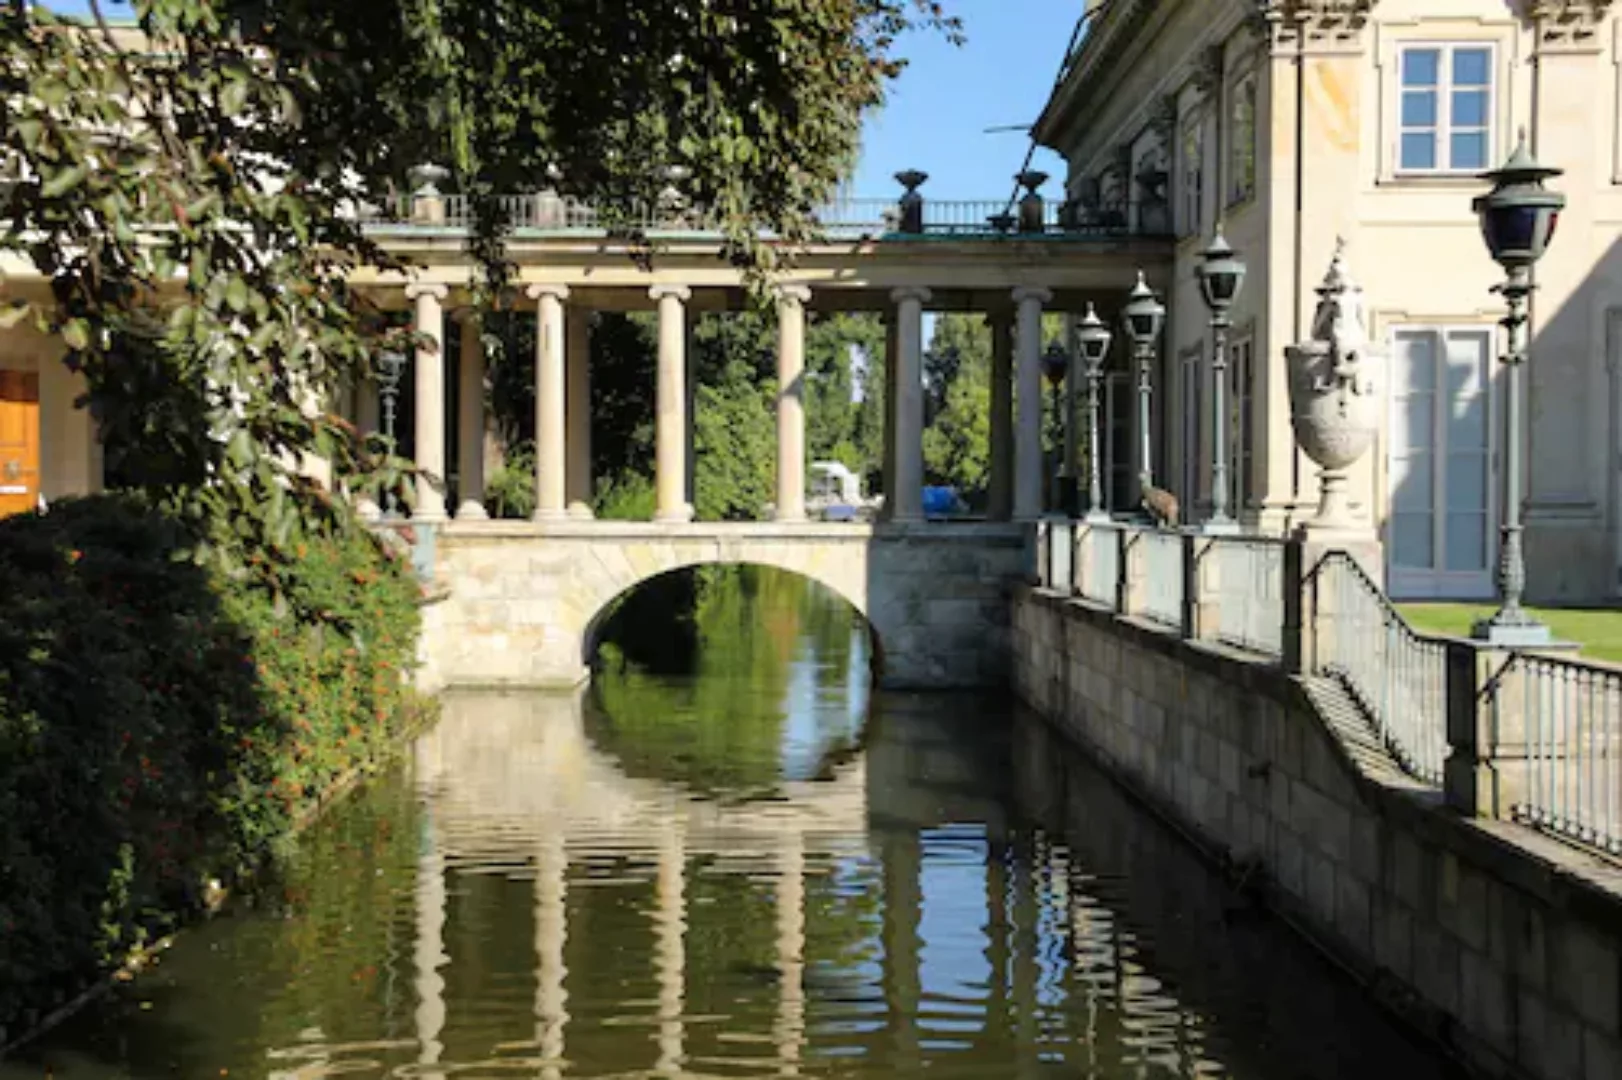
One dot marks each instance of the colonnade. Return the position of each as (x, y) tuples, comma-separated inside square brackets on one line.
[(563, 480)]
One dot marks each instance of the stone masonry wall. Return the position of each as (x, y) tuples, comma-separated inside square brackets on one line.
[(524, 599), (1502, 942)]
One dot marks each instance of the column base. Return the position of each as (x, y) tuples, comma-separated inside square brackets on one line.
[(550, 515), (1098, 517), (673, 517), (790, 517), (368, 510), (1227, 527), (579, 511), (1527, 634), (429, 517), (472, 511)]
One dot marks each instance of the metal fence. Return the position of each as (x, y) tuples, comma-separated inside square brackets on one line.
[(1250, 592), (1162, 569), (1099, 546), (1573, 727), (1398, 675)]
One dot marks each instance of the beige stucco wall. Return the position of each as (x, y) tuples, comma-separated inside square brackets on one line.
[(70, 454), (1412, 243)]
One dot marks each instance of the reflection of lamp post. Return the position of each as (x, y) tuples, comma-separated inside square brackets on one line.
[(1518, 217), (1221, 274), (390, 366), (1054, 365), (1143, 316), (1094, 338)]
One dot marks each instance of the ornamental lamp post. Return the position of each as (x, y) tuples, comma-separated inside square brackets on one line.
[(1518, 218), (1221, 275), (1093, 338), (1055, 363), (1144, 315), (390, 366)]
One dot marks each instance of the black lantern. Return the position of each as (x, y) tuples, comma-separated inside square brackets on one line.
[(1518, 215), (1221, 273), (1143, 314), (1094, 338), (1054, 364)]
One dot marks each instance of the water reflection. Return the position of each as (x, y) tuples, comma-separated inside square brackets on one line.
[(948, 891)]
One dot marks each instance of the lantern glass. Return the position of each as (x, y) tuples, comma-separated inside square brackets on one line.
[(1094, 338), (1055, 363), (1143, 314)]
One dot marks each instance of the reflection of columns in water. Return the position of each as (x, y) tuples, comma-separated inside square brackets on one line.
[(430, 951), (903, 910), (997, 943), (789, 1033), (670, 955), (1026, 912), (551, 930)]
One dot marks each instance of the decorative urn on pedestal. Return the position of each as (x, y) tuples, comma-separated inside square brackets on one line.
[(1334, 407)]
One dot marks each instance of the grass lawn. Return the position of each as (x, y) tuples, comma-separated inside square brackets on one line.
[(1598, 630)]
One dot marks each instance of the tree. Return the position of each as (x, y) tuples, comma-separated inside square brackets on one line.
[(957, 381), (188, 191)]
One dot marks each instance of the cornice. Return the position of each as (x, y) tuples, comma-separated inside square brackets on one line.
[(1562, 24), (1289, 25)]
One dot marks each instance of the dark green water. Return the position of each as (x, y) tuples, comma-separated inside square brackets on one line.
[(740, 866)]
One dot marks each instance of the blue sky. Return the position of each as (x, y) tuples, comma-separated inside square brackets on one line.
[(939, 109)]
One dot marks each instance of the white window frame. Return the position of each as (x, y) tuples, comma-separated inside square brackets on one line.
[(1191, 173), (1444, 129), (1233, 193)]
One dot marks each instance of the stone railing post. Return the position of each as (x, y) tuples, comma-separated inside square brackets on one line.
[(1201, 587), (1061, 546), (1297, 625), (1486, 771), (1133, 585), (1044, 538)]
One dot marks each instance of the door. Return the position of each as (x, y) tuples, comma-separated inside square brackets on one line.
[(1442, 464), (19, 441)]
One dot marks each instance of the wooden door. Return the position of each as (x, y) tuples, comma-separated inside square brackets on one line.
[(19, 441)]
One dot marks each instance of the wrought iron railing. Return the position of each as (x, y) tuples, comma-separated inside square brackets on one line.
[(1250, 592), (843, 219), (1572, 712), (1398, 675), (1162, 568)]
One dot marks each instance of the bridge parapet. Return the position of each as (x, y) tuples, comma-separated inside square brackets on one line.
[(526, 598)]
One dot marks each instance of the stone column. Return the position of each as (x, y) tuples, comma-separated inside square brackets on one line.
[(549, 396), (1028, 439), (1001, 494), (909, 403), (670, 435), (430, 403), (368, 423), (470, 421), (888, 441), (577, 406), (791, 301)]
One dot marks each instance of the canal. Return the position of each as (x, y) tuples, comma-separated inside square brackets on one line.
[(729, 859)]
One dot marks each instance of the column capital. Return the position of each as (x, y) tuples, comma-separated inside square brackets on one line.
[(680, 292), (794, 294), (911, 292), (1027, 293), (437, 290), (547, 288)]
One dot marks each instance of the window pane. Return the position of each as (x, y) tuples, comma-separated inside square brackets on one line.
[(1419, 108), (1469, 150), (1420, 66), (1418, 151), (1467, 427), (1413, 423), (1412, 479), (1469, 108), (1415, 368), (1466, 542), (1470, 67), (1467, 483), (1411, 540)]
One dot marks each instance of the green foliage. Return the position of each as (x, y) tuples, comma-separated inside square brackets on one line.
[(510, 491), (162, 723), (957, 376), (735, 446), (628, 497)]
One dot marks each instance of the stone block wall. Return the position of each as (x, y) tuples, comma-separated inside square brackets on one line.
[(524, 599), (1502, 942)]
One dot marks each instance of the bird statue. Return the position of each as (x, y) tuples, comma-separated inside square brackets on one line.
[(1160, 505)]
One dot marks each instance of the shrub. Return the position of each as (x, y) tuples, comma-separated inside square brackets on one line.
[(510, 492), (161, 724)]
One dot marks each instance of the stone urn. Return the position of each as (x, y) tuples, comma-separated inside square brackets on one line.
[(1334, 406), (911, 203)]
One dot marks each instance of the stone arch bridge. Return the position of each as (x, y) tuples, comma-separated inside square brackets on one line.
[(524, 598)]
